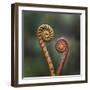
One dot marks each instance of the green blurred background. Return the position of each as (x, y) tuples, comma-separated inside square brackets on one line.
[(65, 25)]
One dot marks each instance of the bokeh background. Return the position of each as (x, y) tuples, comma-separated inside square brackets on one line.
[(65, 25)]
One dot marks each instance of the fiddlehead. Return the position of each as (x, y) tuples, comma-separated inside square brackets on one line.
[(45, 33), (62, 47)]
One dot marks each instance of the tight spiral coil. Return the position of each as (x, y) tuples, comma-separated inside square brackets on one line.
[(45, 31), (61, 45)]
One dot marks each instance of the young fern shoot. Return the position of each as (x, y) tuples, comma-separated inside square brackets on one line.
[(44, 34), (62, 47)]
